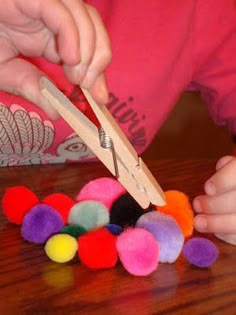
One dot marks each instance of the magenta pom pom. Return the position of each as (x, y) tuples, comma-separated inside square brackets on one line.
[(200, 252), (104, 189), (138, 251), (40, 223)]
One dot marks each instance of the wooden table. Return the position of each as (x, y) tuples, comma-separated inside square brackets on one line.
[(31, 284)]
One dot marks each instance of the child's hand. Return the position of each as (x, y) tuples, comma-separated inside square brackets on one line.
[(218, 207), (63, 31)]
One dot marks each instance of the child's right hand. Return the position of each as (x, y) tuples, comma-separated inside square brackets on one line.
[(63, 31)]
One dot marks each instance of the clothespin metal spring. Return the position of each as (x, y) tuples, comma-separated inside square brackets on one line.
[(107, 143)]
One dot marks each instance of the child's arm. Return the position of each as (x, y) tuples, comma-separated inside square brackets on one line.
[(215, 77), (68, 32)]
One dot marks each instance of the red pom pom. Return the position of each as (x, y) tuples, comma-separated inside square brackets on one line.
[(97, 249), (60, 202), (17, 201)]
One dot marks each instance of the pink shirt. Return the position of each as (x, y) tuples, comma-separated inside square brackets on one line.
[(160, 48)]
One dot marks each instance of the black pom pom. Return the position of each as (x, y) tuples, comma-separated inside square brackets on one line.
[(125, 211)]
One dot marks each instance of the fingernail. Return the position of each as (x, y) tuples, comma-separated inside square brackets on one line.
[(229, 238), (200, 223), (48, 109), (210, 189), (89, 79), (102, 91), (80, 72), (197, 205)]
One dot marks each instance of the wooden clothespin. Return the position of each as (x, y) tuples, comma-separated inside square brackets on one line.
[(121, 159)]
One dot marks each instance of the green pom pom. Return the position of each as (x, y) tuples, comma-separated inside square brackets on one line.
[(90, 214), (74, 230)]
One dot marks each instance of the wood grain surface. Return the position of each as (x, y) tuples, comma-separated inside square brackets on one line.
[(31, 284)]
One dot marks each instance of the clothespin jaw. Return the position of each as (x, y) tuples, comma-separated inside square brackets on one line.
[(121, 159)]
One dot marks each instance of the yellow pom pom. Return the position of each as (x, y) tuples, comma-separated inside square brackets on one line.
[(61, 248)]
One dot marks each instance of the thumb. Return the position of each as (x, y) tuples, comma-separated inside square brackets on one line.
[(20, 77)]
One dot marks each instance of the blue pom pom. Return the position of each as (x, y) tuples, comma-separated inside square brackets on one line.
[(114, 229)]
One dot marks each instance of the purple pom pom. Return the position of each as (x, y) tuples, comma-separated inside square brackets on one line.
[(167, 233), (200, 252), (40, 223)]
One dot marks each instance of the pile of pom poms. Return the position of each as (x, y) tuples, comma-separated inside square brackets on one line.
[(104, 225)]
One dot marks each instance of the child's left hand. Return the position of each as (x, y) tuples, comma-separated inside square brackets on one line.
[(217, 208)]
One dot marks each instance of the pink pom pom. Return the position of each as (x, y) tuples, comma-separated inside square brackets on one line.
[(104, 189), (138, 251)]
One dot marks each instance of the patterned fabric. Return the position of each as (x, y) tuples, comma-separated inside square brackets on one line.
[(25, 139)]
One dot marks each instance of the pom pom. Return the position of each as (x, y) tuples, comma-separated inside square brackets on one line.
[(41, 222), (125, 211), (200, 252), (16, 202), (89, 214), (138, 251), (114, 229), (97, 249), (179, 207), (61, 248), (166, 231), (74, 230), (105, 190), (60, 202)]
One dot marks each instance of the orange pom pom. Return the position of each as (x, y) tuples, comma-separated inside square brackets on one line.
[(179, 207)]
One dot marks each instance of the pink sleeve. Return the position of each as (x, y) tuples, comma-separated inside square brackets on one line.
[(215, 60)]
